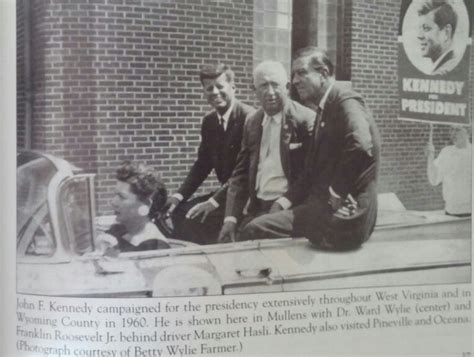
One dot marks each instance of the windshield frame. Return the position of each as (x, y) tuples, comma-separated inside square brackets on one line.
[(60, 254), (67, 230)]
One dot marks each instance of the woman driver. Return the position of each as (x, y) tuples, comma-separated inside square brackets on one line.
[(136, 188)]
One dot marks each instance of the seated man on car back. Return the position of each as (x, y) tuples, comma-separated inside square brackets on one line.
[(199, 220), (274, 143)]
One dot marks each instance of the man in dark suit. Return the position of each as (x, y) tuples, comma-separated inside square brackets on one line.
[(334, 203), (438, 22), (199, 220), (273, 149)]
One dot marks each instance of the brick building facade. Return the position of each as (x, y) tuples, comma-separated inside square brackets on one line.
[(118, 79)]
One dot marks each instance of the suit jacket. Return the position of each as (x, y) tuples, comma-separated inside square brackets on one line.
[(447, 63), (343, 155), (297, 123), (217, 151)]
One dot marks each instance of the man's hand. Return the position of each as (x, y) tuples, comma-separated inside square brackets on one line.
[(227, 233), (349, 207), (335, 202), (201, 209), (171, 204), (276, 207)]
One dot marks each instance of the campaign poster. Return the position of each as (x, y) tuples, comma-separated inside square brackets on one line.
[(434, 48)]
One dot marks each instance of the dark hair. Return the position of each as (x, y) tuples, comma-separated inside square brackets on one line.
[(144, 181), (318, 57), (214, 71), (444, 13)]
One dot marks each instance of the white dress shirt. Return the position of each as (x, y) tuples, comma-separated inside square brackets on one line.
[(271, 181), (453, 170), (225, 116)]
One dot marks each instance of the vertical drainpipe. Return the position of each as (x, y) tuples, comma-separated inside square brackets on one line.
[(28, 74)]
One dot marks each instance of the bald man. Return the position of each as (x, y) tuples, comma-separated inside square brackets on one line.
[(274, 144)]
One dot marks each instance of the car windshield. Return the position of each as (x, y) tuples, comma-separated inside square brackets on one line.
[(76, 206), (34, 173)]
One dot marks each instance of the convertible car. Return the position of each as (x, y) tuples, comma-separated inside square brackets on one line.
[(56, 256)]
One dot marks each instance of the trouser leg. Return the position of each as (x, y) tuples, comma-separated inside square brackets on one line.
[(329, 231), (178, 217), (316, 221), (270, 225), (205, 232), (193, 230)]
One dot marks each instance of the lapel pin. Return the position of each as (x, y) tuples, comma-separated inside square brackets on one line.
[(322, 124)]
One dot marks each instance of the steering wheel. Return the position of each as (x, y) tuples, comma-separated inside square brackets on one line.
[(163, 221)]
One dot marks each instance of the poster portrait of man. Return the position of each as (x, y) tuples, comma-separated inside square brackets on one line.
[(435, 34)]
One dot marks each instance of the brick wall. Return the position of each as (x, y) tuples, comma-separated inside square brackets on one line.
[(118, 79), (20, 78), (374, 74), (346, 60)]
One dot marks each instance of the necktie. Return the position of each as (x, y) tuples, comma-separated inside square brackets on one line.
[(317, 123), (222, 151), (221, 123), (265, 144), (311, 155), (268, 137)]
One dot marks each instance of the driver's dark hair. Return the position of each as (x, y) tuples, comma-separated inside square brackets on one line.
[(444, 13), (318, 57), (144, 182), (212, 71)]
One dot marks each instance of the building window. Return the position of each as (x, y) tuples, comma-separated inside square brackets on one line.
[(272, 31), (334, 34), (326, 24)]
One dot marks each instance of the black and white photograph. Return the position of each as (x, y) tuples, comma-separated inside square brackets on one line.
[(248, 177), (181, 148), (435, 34)]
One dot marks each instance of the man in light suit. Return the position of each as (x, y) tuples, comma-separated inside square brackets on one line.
[(274, 143), (200, 219), (334, 203)]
